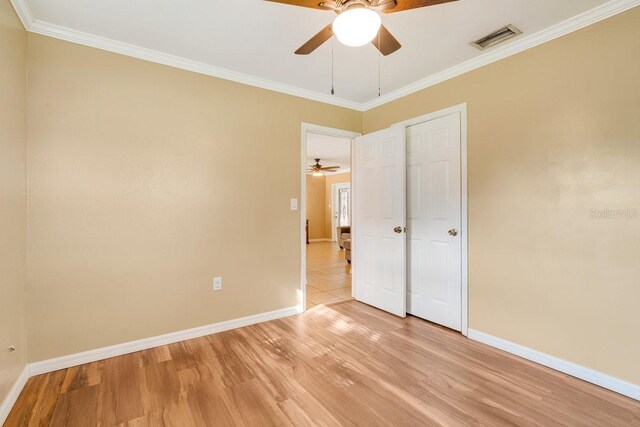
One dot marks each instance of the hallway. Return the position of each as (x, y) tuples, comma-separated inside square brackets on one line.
[(328, 274)]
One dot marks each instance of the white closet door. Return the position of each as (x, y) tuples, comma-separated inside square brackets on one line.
[(434, 257), (379, 208)]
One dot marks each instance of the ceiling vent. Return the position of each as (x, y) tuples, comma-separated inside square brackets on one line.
[(498, 36)]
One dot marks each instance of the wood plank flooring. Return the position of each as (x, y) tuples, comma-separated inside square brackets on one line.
[(345, 364), (328, 274)]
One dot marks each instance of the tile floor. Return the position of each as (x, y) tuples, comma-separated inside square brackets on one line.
[(328, 274)]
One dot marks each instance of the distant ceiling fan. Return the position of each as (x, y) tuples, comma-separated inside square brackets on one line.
[(319, 170), (358, 22)]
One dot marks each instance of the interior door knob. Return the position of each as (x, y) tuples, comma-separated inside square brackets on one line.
[(398, 229), (453, 232)]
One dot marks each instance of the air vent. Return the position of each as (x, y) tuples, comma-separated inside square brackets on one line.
[(498, 36)]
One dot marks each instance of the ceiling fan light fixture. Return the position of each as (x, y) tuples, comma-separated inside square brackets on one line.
[(318, 174), (357, 26)]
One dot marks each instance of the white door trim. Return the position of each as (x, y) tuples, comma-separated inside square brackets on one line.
[(334, 201), (322, 130), (462, 109)]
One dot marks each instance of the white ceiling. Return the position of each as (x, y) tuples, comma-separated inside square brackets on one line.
[(257, 38), (331, 150)]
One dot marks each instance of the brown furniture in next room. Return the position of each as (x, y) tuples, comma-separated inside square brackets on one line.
[(343, 233), (347, 250), (344, 241)]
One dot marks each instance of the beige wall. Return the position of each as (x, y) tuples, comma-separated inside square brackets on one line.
[(328, 209), (554, 132), (13, 215), (319, 190), (145, 182), (316, 195)]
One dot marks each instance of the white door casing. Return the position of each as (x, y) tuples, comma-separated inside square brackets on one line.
[(379, 211), (434, 219), (307, 128)]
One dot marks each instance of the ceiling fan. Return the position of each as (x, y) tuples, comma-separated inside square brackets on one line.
[(319, 170), (358, 22)]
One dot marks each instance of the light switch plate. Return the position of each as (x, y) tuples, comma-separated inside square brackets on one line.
[(294, 204), (217, 283)]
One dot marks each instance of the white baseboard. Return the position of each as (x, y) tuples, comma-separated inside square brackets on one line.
[(13, 394), (320, 240), (68, 361), (586, 374), (50, 365)]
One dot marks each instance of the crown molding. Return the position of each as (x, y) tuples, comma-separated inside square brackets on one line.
[(519, 44), (23, 10), (63, 33)]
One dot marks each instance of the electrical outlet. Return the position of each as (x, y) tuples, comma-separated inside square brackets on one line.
[(217, 283)]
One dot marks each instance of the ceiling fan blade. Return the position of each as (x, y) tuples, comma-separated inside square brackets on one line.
[(330, 167), (384, 4), (388, 43), (316, 41), (413, 4), (313, 4)]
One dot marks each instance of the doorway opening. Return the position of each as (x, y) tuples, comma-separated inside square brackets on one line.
[(326, 215)]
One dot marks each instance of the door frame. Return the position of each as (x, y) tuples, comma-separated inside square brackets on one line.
[(462, 109), (307, 128), (334, 200)]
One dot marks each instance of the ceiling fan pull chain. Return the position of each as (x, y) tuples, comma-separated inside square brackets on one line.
[(379, 55), (332, 91)]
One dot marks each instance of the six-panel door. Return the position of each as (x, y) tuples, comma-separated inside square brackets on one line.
[(434, 281), (378, 248)]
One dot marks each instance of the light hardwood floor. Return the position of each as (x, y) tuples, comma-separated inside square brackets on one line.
[(339, 364), (328, 274)]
